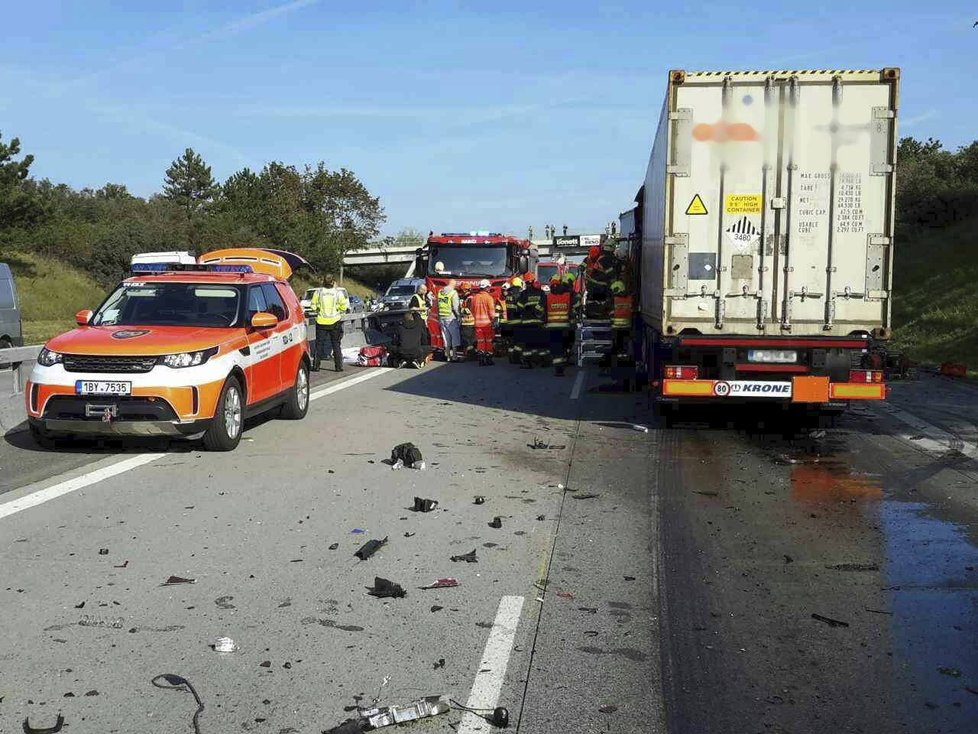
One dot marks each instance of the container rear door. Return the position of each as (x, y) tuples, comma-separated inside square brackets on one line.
[(833, 266), (724, 168)]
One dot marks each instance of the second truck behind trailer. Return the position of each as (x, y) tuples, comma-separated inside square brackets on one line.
[(764, 237)]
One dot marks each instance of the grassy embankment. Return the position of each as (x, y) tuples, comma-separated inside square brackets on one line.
[(935, 304), (51, 293)]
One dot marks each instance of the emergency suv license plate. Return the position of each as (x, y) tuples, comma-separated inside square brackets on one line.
[(102, 387)]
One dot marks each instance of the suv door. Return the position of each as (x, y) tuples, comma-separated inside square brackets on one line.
[(264, 372), (286, 336), (9, 313)]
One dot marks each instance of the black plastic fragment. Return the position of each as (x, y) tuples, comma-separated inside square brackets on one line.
[(500, 717), (467, 557), (385, 589), (479, 500), (829, 621), (497, 522), (369, 548), (334, 546), (28, 729), (424, 505)]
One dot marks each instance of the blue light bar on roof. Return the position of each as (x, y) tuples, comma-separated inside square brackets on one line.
[(151, 267)]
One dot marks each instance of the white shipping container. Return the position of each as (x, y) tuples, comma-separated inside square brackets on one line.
[(768, 204)]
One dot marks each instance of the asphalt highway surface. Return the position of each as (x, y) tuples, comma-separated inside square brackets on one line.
[(744, 575)]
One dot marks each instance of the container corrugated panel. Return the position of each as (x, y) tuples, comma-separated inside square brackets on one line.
[(768, 204)]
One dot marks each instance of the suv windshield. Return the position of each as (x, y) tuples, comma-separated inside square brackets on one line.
[(473, 261), (170, 304), (401, 290)]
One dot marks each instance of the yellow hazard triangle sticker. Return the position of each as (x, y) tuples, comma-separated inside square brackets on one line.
[(696, 206)]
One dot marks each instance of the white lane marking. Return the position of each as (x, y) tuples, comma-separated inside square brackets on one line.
[(492, 669), (343, 384), (93, 477), (72, 485), (578, 384), (934, 439)]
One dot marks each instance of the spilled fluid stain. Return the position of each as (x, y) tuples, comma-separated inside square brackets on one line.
[(932, 575), (832, 481)]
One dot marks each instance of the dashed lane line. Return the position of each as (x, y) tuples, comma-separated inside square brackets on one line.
[(578, 384), (67, 486), (492, 669)]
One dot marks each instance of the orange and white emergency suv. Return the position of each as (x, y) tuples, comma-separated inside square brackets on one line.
[(184, 348)]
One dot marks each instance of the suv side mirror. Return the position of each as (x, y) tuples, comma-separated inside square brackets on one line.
[(263, 320), (82, 318)]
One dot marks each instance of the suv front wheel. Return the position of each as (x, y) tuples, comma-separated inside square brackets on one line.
[(224, 433), (297, 403)]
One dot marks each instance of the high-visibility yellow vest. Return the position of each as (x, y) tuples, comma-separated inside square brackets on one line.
[(514, 314), (532, 306), (329, 305), (418, 304), (445, 304), (468, 318)]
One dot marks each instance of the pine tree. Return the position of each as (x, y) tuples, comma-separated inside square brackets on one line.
[(189, 183)]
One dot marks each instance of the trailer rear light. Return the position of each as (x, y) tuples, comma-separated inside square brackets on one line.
[(682, 372), (868, 377)]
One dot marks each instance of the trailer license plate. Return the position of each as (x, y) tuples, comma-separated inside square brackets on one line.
[(772, 356), (102, 387)]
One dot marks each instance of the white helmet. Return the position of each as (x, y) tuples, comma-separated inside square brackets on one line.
[(439, 267), (484, 284)]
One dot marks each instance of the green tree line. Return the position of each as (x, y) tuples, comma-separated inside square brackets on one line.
[(310, 210), (935, 187)]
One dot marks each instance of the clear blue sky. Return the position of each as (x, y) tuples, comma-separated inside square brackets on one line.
[(459, 115)]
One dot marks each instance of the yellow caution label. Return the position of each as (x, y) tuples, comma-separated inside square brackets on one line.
[(744, 203), (696, 206)]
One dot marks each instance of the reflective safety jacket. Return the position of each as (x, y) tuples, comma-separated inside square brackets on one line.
[(467, 318), (447, 304), (514, 312), (531, 302), (558, 310), (621, 316), (419, 304), (329, 305)]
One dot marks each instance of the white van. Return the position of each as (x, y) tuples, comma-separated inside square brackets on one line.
[(10, 328)]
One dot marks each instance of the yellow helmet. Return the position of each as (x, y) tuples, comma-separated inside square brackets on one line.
[(618, 288), (517, 281)]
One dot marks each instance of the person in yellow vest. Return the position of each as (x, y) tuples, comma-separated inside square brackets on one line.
[(448, 314), (467, 321), (559, 303), (621, 315), (329, 305), (419, 302)]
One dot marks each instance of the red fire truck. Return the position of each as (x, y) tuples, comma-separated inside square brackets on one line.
[(469, 257)]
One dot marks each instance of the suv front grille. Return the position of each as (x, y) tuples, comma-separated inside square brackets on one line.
[(88, 363)]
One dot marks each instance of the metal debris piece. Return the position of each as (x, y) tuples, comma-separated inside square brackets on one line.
[(424, 505), (420, 709), (369, 548), (174, 580), (385, 589), (225, 644), (28, 729), (642, 429), (467, 557), (829, 621), (445, 583)]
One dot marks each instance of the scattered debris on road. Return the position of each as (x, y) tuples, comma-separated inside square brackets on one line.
[(357, 531), (585, 496), (406, 454), (436, 608), (541, 517), (877, 611), (565, 595), (409, 535), (498, 718), (642, 429), (369, 548), (176, 683), (174, 580), (439, 664), (28, 729), (952, 672), (829, 621), (609, 709), (334, 546), (124, 564), (445, 583), (424, 505), (538, 444), (469, 557), (479, 500), (385, 589), (225, 644), (377, 718), (497, 522), (854, 567), (103, 551), (224, 602)]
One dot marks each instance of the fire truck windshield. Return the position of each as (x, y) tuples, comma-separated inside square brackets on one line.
[(487, 261)]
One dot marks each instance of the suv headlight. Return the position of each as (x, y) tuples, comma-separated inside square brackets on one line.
[(47, 358), (187, 359)]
